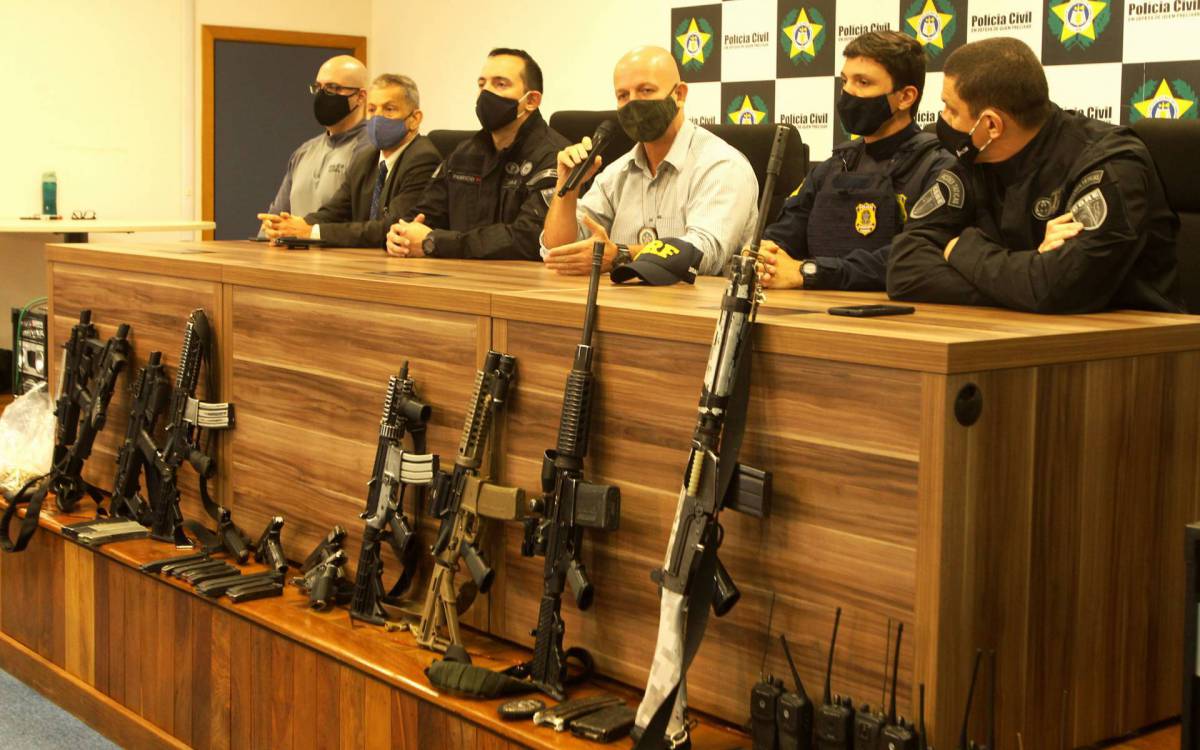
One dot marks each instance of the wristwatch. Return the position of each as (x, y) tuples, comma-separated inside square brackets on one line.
[(428, 246), (623, 256), (809, 271)]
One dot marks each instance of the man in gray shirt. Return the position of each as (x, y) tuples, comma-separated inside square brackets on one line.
[(679, 181), (317, 169)]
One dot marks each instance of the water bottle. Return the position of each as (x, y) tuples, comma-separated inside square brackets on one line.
[(49, 194)]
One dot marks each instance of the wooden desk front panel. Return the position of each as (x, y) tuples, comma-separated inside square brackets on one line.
[(308, 375), (1051, 533), (156, 308), (202, 675), (842, 441)]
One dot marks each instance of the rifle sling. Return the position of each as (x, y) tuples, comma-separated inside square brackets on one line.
[(698, 601)]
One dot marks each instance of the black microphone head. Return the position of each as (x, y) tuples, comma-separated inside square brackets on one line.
[(603, 132)]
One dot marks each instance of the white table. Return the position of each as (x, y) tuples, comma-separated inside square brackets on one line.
[(23, 256), (77, 231)]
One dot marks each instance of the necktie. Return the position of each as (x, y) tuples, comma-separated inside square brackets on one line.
[(379, 180)]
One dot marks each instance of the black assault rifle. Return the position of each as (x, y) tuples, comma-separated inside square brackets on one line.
[(187, 421), (394, 468), (693, 578), (568, 505), (461, 499), (89, 377)]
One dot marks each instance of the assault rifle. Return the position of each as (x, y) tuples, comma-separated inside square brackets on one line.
[(462, 499), (692, 578), (394, 468), (187, 418), (89, 375), (568, 505)]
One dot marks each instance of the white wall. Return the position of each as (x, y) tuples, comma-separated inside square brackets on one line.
[(575, 43), (107, 95)]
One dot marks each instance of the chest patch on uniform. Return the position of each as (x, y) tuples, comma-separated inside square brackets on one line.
[(947, 189), (1047, 206), (1091, 209), (864, 218), (512, 168), (472, 179)]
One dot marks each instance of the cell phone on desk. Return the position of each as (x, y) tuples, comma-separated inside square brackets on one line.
[(872, 311), (300, 243)]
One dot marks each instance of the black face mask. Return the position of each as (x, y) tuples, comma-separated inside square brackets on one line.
[(863, 115), (495, 111), (330, 108), (645, 120), (958, 142)]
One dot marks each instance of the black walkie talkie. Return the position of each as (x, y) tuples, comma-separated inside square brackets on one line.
[(835, 719), (764, 699), (868, 725), (795, 712), (897, 734), (963, 744)]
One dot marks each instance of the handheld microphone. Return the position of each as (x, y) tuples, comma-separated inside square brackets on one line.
[(599, 141)]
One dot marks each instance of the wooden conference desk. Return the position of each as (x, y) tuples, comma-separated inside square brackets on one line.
[(1048, 529)]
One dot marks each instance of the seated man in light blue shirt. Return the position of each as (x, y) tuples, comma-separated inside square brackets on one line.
[(679, 181)]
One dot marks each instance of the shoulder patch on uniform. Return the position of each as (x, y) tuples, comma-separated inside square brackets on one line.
[(548, 195), (441, 167), (1089, 179), (545, 174), (1091, 209), (1047, 205), (955, 192), (947, 189), (797, 190)]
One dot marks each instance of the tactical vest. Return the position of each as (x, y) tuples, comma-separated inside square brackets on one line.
[(865, 209)]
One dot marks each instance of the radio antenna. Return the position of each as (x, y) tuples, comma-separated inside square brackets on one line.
[(837, 619), (962, 740), (762, 670), (895, 670)]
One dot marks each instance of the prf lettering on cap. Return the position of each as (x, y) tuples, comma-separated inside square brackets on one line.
[(661, 249)]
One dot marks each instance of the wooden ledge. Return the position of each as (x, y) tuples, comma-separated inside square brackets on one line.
[(392, 658)]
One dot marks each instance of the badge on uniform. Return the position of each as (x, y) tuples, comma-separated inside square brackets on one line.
[(1090, 210), (646, 235), (1047, 206), (946, 189), (864, 218)]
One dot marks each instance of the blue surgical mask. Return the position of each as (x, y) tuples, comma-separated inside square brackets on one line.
[(387, 133)]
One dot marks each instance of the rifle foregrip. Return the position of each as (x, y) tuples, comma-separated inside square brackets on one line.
[(576, 411)]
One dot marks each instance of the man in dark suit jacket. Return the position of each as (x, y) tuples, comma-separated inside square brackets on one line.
[(382, 183)]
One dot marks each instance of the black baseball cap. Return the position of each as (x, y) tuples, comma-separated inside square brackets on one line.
[(661, 263)]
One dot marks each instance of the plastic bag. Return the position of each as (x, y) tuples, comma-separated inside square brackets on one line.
[(26, 439)]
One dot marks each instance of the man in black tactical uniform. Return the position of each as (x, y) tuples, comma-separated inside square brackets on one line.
[(836, 230), (488, 199), (1050, 211)]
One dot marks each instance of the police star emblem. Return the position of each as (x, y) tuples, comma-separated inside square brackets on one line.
[(1164, 104), (864, 218), (931, 23), (1077, 23), (747, 110), (803, 34), (693, 43)]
